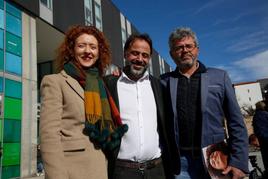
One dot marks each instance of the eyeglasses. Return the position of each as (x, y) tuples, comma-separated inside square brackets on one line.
[(188, 47), (137, 53)]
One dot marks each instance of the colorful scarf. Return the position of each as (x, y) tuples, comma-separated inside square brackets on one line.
[(103, 123)]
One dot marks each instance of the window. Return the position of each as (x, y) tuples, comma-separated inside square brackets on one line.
[(1, 39), (98, 18), (162, 65), (13, 63), (88, 12), (13, 25), (13, 10), (13, 108), (1, 60), (13, 88), (151, 67), (43, 69), (47, 3), (1, 4), (124, 38), (1, 19), (13, 44), (1, 99)]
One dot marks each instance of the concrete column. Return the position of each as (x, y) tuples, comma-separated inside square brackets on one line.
[(29, 97)]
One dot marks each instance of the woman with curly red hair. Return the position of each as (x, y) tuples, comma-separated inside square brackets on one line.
[(78, 118)]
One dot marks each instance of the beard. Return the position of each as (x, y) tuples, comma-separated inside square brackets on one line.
[(187, 61), (137, 73)]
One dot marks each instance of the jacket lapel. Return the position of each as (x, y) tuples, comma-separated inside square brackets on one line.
[(173, 93), (73, 84), (154, 88)]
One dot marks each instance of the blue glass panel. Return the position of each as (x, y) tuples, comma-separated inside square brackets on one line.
[(13, 24), (13, 88), (13, 10), (1, 86), (13, 63), (1, 19), (1, 39)]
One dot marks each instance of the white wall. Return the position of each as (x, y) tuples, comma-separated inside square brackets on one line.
[(248, 94)]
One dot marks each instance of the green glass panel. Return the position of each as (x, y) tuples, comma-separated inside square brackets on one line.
[(2, 4), (1, 60), (1, 19), (12, 131), (13, 88), (13, 25), (1, 89), (1, 129), (12, 108), (1, 39), (11, 154), (13, 44), (11, 172), (13, 10)]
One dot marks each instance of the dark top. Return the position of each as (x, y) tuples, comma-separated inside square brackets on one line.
[(189, 111)]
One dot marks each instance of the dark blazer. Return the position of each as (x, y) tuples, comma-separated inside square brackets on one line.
[(111, 83), (218, 101)]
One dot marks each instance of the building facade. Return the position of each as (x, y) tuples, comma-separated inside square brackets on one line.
[(30, 31), (248, 94), (264, 87)]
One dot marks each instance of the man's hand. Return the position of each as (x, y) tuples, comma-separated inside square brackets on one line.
[(236, 173)]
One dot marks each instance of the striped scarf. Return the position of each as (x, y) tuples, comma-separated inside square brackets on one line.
[(103, 123)]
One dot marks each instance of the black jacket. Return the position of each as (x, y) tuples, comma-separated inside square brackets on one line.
[(111, 83)]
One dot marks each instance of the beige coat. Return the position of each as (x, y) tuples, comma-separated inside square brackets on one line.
[(67, 153)]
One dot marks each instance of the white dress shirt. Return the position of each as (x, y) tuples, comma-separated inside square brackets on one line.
[(138, 110)]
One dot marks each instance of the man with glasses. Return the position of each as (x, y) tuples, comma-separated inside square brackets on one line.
[(144, 150), (198, 100)]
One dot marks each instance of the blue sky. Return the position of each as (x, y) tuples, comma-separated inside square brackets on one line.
[(233, 34)]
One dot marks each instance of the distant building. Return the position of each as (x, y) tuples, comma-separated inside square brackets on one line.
[(30, 31), (264, 87), (248, 94)]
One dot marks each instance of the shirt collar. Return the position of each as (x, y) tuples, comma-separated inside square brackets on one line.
[(124, 77)]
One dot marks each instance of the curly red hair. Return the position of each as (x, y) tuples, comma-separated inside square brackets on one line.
[(65, 52)]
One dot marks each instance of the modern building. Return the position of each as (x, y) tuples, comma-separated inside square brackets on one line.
[(264, 87), (30, 31), (248, 94)]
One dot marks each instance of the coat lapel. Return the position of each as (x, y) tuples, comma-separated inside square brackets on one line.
[(173, 92), (73, 84), (154, 88)]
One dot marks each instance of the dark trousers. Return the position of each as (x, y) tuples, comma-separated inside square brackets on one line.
[(129, 173)]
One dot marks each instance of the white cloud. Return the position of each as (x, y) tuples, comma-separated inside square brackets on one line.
[(208, 5), (247, 69), (249, 41), (257, 64)]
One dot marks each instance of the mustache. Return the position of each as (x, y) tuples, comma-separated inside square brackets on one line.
[(138, 62), (188, 54)]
